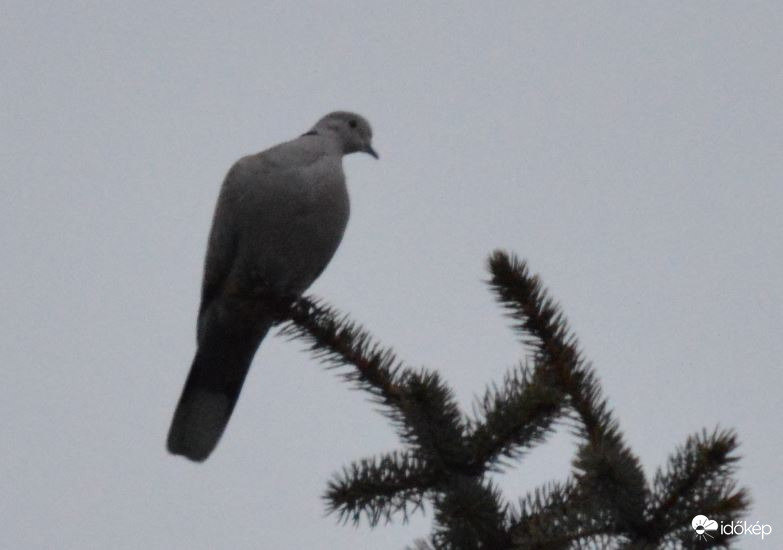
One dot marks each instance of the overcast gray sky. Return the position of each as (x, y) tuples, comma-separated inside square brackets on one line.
[(630, 151)]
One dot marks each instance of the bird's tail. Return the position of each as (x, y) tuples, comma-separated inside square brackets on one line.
[(211, 392)]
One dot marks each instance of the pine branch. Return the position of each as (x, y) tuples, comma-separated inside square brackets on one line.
[(436, 423), (469, 514), (337, 341), (379, 487), (608, 473), (607, 503), (554, 517), (544, 521), (420, 405), (698, 480), (514, 417)]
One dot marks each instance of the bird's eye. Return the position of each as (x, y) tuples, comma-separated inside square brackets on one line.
[(352, 123)]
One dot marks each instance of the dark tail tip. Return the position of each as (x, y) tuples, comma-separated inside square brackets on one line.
[(212, 389), (199, 421)]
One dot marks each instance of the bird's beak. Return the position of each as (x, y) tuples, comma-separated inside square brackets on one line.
[(370, 151)]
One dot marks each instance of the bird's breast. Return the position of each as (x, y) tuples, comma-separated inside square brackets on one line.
[(297, 229)]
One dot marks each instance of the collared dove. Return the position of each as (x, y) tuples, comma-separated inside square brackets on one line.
[(279, 219)]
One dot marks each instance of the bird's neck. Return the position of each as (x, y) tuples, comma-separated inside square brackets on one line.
[(328, 141)]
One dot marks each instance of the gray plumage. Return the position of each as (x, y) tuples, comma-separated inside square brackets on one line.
[(279, 219)]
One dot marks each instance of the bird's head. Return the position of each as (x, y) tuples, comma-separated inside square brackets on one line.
[(352, 130)]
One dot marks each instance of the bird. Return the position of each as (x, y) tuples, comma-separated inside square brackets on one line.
[(279, 219)]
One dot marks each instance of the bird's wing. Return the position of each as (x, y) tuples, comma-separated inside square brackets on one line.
[(223, 238), (261, 196)]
